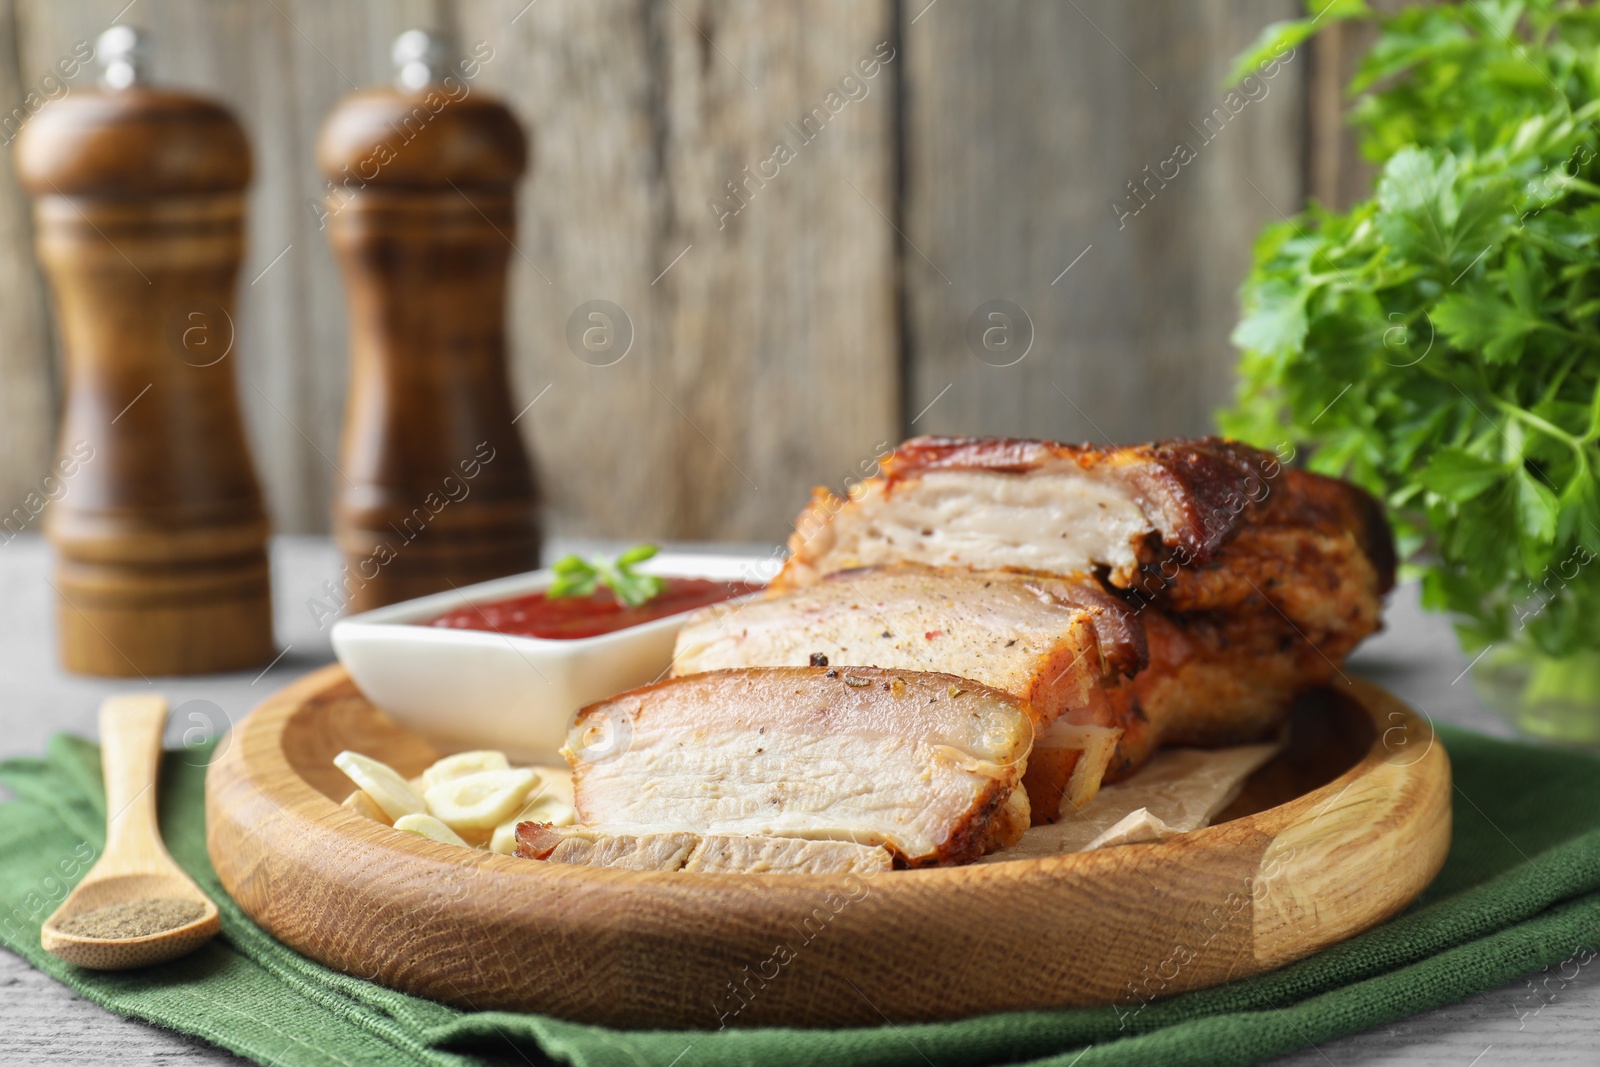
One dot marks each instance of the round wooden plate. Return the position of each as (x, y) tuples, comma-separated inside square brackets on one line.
[(1338, 833)]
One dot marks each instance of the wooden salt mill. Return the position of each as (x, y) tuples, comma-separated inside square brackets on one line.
[(437, 490), (160, 535)]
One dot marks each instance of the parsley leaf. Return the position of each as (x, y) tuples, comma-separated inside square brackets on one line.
[(1458, 475), (576, 576)]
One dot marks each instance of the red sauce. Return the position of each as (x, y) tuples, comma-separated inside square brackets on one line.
[(572, 617)]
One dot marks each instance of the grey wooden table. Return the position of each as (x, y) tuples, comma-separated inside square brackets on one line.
[(42, 1022)]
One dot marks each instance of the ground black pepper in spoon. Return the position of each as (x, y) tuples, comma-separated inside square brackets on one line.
[(135, 907)]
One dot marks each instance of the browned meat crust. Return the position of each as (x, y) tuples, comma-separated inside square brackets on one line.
[(1123, 648), (536, 840), (1213, 680)]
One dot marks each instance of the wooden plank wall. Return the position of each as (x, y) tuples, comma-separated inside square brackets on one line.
[(780, 344), (29, 395), (1041, 133)]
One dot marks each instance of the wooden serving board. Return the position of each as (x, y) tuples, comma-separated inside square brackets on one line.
[(1338, 833)]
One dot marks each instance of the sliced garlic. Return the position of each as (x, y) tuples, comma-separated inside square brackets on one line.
[(549, 809), (555, 782), (480, 801), (462, 764), (504, 840), (429, 827), (382, 783), (365, 806)]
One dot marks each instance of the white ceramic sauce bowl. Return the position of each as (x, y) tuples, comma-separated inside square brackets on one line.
[(465, 689)]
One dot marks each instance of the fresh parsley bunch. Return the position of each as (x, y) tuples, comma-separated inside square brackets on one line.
[(1440, 342)]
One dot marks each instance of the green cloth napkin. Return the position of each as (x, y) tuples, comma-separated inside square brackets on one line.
[(1520, 890)]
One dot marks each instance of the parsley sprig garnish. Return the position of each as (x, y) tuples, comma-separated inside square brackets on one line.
[(576, 576)]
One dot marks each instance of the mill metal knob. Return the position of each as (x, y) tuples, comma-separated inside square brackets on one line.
[(438, 490), (122, 52), (160, 535), (420, 59)]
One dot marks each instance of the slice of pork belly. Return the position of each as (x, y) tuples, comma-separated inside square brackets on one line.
[(996, 503), (1054, 643), (667, 851), (924, 764), (1202, 524), (737, 854), (714, 854)]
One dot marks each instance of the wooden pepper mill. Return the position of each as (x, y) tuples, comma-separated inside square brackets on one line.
[(160, 534), (437, 489)]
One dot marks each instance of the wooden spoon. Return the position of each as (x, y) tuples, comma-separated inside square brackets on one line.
[(135, 866)]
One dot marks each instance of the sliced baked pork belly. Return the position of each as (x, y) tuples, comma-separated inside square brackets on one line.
[(714, 854), (736, 854), (1189, 525), (666, 851), (927, 765), (1252, 581), (1056, 644)]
